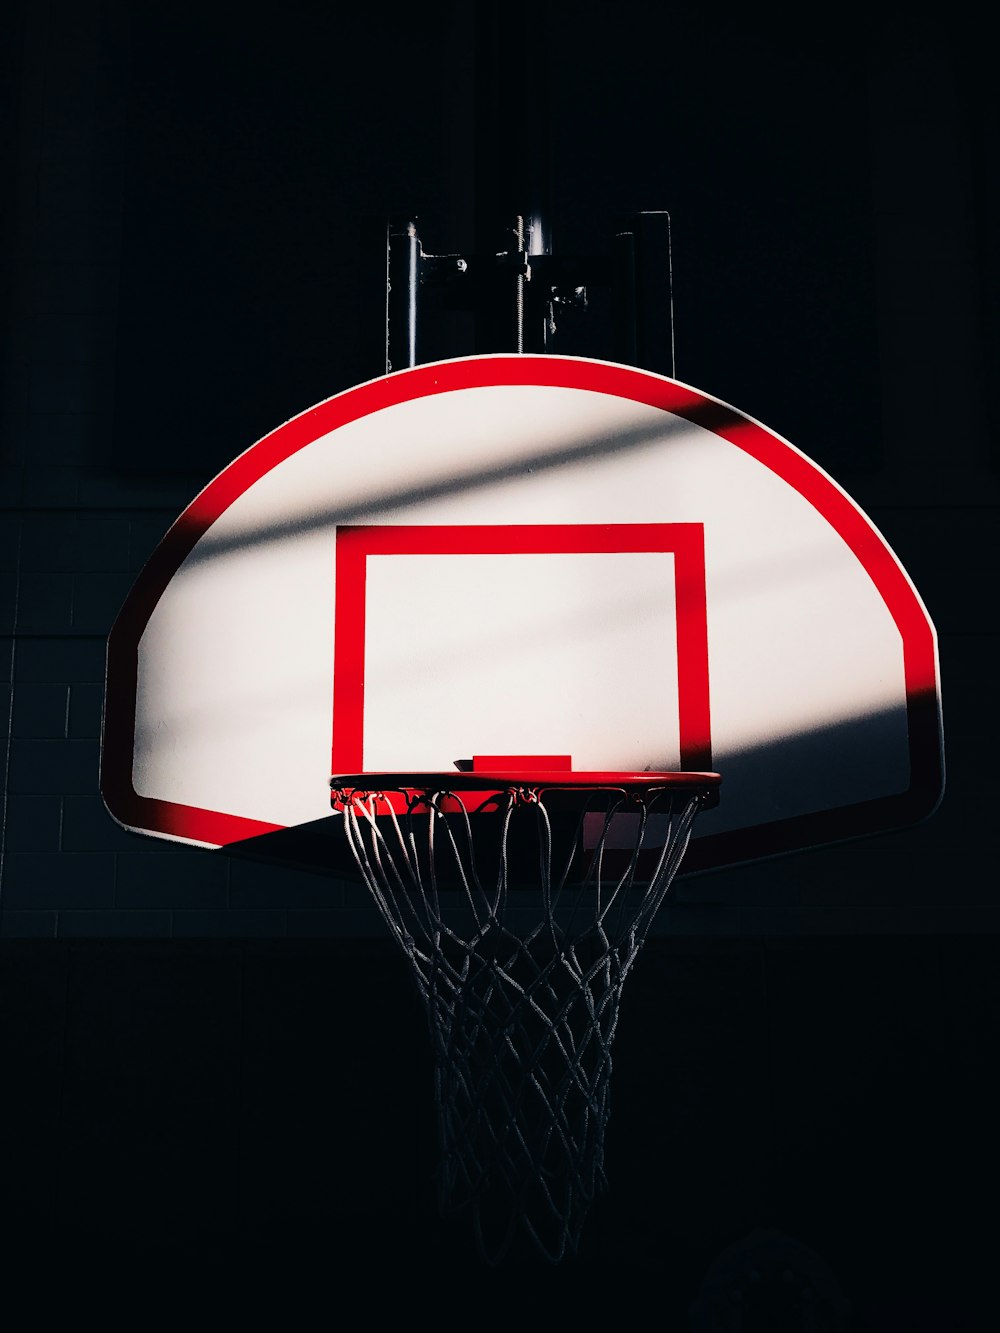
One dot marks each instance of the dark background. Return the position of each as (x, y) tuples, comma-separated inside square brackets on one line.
[(217, 1070)]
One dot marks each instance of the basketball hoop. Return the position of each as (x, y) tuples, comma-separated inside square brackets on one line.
[(521, 901)]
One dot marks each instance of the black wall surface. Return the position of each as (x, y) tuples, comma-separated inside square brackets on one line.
[(217, 1070)]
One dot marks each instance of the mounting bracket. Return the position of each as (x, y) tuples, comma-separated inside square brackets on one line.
[(520, 291)]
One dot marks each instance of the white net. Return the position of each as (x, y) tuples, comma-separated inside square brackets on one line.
[(521, 922)]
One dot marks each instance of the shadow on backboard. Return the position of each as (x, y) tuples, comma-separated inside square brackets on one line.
[(602, 445), (899, 793)]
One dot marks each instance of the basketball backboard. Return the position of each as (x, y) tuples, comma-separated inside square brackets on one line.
[(523, 555)]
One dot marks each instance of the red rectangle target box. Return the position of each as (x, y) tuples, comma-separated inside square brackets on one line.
[(436, 624)]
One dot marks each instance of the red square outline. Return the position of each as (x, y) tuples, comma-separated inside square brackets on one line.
[(685, 541)]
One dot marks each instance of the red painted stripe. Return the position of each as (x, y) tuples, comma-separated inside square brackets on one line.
[(693, 666), (522, 763), (349, 650)]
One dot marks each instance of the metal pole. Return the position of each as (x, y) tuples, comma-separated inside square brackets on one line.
[(513, 178), (643, 292), (402, 292)]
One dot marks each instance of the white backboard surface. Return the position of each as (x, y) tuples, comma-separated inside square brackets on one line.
[(524, 555)]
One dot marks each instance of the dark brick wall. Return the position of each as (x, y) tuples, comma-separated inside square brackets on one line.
[(213, 1067), (252, 1122), (115, 307)]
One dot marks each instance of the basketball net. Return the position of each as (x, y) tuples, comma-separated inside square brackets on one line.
[(521, 919)]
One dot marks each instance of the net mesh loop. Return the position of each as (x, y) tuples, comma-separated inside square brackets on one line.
[(521, 989)]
